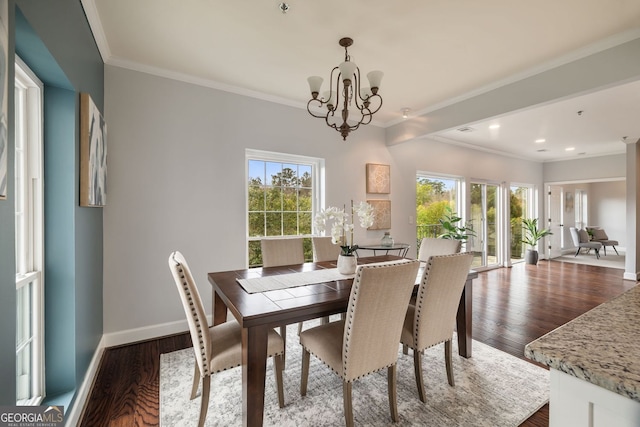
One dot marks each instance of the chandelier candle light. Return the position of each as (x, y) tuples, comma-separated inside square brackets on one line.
[(345, 89)]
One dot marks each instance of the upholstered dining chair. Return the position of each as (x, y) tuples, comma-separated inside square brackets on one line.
[(430, 246), (367, 341), (581, 240), (323, 249), (277, 251), (217, 348), (431, 320)]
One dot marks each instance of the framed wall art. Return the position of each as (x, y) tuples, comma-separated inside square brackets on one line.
[(568, 201), (93, 154), (4, 69), (378, 179), (381, 214)]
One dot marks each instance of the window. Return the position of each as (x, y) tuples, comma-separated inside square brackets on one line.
[(434, 193), (283, 192), (29, 237), (580, 202)]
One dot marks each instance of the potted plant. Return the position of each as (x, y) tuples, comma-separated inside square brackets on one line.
[(532, 234), (452, 230)]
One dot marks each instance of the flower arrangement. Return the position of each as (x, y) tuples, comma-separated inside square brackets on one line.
[(342, 229)]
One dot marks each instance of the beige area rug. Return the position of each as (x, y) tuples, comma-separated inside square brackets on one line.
[(611, 260), (492, 388)]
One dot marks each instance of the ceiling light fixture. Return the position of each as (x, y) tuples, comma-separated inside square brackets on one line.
[(569, 148), (540, 141), (405, 113), (284, 7), (496, 126), (347, 85)]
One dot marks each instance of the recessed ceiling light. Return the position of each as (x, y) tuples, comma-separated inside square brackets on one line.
[(569, 148), (496, 126), (405, 112), (466, 129), (540, 141)]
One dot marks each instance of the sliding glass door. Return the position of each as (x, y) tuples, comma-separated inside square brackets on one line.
[(485, 217)]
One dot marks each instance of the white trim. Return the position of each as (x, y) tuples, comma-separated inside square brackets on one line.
[(74, 412), (91, 12), (144, 333)]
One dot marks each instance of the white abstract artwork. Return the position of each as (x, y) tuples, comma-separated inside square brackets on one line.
[(93, 154)]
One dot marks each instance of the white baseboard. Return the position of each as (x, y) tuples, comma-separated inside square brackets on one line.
[(73, 414), (147, 332)]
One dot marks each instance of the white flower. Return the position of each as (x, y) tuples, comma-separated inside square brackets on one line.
[(341, 228)]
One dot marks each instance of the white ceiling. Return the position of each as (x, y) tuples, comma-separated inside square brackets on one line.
[(431, 51)]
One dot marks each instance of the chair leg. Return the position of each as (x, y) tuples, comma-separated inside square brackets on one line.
[(614, 248), (605, 250), (283, 334), (597, 253), (204, 403), (577, 252), (393, 402), (304, 375), (324, 320), (348, 408), (196, 381), (417, 367), (447, 362), (277, 360)]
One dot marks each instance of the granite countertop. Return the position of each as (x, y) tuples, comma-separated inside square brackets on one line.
[(602, 346)]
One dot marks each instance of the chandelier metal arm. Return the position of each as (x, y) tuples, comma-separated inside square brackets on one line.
[(351, 93)]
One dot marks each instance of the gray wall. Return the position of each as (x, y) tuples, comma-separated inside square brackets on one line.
[(588, 169), (54, 39), (607, 203), (177, 181)]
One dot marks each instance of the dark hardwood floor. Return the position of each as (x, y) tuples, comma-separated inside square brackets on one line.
[(511, 307)]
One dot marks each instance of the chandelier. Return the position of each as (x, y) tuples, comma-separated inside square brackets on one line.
[(345, 91)]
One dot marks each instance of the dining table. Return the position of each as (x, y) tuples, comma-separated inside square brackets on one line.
[(261, 310)]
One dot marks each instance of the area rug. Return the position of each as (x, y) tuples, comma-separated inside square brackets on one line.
[(611, 260), (492, 388)]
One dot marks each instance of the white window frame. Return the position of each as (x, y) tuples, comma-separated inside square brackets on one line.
[(318, 176), (30, 255)]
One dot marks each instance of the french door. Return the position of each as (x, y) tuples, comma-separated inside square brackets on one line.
[(555, 219), (485, 219)]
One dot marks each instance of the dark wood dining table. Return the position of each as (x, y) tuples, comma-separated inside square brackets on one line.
[(259, 312)]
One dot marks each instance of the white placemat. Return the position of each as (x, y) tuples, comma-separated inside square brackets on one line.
[(292, 280)]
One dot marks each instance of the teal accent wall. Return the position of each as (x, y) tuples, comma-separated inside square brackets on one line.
[(60, 260), (55, 40)]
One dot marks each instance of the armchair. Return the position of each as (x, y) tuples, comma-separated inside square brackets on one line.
[(599, 235), (581, 240)]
